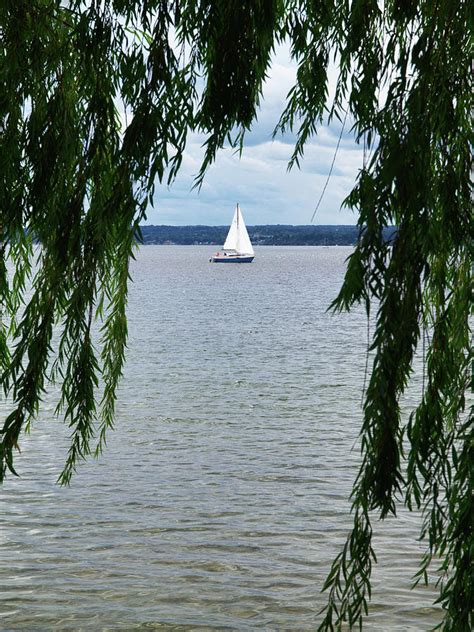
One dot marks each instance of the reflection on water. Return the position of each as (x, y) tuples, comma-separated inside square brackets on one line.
[(223, 494)]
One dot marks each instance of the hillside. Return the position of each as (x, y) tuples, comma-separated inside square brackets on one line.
[(266, 235)]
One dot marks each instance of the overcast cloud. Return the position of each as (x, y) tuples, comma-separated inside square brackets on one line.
[(259, 179)]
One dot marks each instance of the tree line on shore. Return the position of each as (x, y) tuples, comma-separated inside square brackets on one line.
[(262, 235)]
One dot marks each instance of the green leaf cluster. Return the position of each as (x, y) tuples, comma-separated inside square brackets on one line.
[(92, 110)]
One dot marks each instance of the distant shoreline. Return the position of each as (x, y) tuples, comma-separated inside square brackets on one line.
[(263, 235)]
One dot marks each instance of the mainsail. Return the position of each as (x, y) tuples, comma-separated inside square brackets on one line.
[(238, 239)]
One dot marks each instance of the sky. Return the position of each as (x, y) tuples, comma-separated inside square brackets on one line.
[(259, 179)]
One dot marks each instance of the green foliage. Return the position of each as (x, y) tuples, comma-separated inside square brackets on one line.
[(78, 179), (266, 235), (78, 175)]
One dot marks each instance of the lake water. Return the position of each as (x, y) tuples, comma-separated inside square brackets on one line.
[(223, 494)]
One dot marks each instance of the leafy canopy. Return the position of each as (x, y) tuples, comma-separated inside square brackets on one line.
[(96, 99)]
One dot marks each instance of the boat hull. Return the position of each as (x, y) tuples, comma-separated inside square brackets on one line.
[(232, 259)]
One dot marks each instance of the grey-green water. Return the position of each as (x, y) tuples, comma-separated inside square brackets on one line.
[(223, 494)]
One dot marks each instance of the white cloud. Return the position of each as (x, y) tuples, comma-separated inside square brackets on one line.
[(259, 180)]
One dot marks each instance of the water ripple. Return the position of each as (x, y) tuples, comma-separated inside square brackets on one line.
[(223, 494)]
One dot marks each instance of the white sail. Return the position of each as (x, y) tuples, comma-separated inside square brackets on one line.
[(232, 236), (238, 239)]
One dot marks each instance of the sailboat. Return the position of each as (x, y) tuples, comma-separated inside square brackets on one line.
[(237, 246)]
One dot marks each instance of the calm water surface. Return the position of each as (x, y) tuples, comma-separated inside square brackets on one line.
[(223, 494)]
